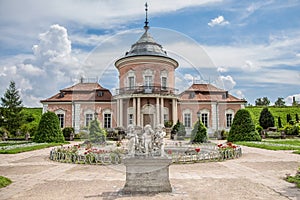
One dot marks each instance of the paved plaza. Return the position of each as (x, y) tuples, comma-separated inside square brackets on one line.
[(258, 174)]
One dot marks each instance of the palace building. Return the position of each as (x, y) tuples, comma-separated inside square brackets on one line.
[(146, 95)]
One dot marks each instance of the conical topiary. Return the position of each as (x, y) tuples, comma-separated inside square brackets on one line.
[(49, 129), (243, 128)]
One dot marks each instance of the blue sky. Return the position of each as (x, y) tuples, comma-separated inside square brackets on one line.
[(251, 48)]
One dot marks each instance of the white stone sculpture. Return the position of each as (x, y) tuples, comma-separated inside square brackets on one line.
[(160, 135), (132, 139), (148, 135)]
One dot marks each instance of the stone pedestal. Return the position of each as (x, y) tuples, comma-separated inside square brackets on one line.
[(147, 175)]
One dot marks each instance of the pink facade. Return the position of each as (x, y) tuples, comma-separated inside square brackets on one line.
[(146, 95)]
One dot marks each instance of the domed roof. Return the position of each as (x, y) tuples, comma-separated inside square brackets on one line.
[(146, 45)]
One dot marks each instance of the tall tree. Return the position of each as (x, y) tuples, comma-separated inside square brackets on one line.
[(12, 106), (262, 101), (266, 119), (280, 102)]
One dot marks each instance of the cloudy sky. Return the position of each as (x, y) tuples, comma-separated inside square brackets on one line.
[(251, 48)]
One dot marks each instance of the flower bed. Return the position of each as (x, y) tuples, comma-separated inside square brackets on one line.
[(114, 154)]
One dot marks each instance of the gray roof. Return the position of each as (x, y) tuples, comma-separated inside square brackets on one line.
[(146, 45)]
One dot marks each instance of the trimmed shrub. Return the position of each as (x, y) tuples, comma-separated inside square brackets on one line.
[(49, 129), (179, 129), (266, 119), (97, 134), (243, 128), (67, 131), (199, 133)]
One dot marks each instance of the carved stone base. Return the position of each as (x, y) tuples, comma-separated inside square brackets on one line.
[(147, 175)]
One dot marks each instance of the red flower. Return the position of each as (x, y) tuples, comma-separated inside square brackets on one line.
[(197, 149), (220, 145), (169, 151)]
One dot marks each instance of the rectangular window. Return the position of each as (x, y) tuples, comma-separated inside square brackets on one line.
[(61, 118), (107, 120), (130, 119), (131, 83), (88, 119), (228, 120), (164, 83), (187, 120), (148, 81), (204, 119)]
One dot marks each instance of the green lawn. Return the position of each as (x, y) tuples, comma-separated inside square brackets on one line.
[(276, 112), (4, 181), (280, 144), (13, 148)]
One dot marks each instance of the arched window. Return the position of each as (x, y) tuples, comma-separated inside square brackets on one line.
[(204, 117)]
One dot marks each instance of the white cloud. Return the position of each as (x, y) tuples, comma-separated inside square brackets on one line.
[(220, 20), (239, 94), (289, 99), (48, 69), (222, 69), (225, 82)]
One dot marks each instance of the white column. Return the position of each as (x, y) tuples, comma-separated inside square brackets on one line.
[(118, 112), (134, 110), (121, 112), (139, 111), (162, 111), (174, 111), (157, 111), (77, 117)]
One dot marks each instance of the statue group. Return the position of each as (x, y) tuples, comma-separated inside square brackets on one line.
[(146, 141)]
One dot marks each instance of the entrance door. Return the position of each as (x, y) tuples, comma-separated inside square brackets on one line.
[(148, 119)]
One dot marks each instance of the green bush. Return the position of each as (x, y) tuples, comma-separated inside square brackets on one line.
[(49, 129), (97, 134), (243, 128), (258, 128), (179, 129), (199, 133), (67, 131), (266, 119)]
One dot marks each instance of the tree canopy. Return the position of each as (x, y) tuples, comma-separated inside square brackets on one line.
[(12, 106), (262, 101), (280, 102)]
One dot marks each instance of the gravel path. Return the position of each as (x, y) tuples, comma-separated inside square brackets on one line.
[(258, 174)]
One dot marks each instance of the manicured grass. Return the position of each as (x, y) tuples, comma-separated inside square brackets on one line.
[(294, 179), (4, 181), (276, 112), (29, 148), (293, 144)]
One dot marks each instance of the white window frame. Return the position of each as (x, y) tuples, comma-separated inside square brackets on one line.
[(187, 121), (164, 79), (105, 124), (229, 112), (62, 113)]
